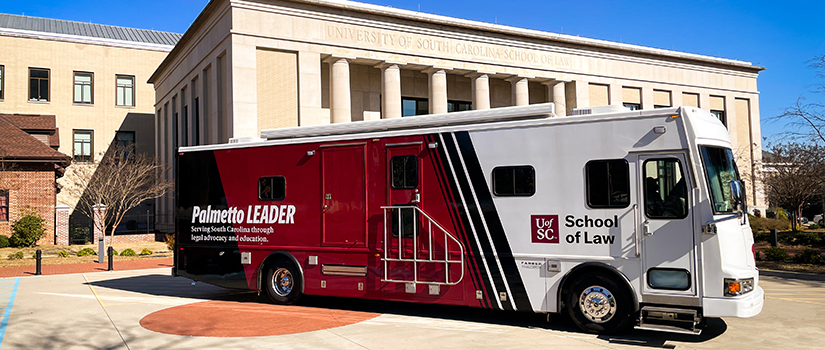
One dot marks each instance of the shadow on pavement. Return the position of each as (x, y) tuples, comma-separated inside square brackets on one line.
[(164, 285)]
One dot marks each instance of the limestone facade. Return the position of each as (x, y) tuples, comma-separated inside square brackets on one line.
[(339, 61)]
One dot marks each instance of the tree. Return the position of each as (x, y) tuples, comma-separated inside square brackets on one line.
[(794, 175), (119, 181), (807, 119)]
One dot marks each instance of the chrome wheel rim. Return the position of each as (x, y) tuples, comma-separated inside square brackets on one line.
[(282, 282), (597, 304)]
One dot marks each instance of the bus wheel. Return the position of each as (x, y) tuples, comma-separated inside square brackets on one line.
[(597, 304), (283, 282)]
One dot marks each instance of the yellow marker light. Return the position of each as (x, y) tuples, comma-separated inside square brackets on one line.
[(674, 116), (734, 287)]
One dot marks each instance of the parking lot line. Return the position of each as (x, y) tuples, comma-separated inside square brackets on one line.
[(7, 305)]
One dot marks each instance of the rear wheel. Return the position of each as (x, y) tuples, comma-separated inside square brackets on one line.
[(598, 304), (283, 282)]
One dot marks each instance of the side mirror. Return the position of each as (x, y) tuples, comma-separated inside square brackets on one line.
[(737, 197)]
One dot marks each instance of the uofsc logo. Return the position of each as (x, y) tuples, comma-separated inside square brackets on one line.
[(545, 228)]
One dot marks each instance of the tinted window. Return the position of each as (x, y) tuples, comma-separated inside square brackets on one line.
[(404, 170), (608, 183), (514, 181), (272, 188), (665, 189)]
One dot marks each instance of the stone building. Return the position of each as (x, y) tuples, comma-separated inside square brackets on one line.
[(91, 78), (246, 66)]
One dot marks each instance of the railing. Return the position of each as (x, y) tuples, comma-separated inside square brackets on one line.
[(416, 260)]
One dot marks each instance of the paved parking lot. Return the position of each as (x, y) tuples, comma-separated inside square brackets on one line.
[(103, 310)]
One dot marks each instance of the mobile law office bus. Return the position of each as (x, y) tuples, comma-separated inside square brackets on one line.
[(617, 218)]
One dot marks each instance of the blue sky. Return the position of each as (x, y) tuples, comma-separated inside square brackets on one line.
[(779, 35)]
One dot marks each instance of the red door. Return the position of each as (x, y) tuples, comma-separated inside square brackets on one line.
[(344, 184)]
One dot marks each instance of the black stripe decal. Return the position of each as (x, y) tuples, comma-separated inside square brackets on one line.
[(472, 213), (450, 193), (485, 200)]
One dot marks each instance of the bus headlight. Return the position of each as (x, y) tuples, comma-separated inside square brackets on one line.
[(735, 286)]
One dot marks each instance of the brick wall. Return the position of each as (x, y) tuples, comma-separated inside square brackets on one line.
[(61, 225), (33, 186)]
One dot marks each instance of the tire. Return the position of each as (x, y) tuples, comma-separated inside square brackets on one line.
[(598, 304), (283, 282)]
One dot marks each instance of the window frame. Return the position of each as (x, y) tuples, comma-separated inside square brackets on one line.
[(272, 199), (48, 79), (405, 185), (117, 86), (7, 195), (91, 88), (724, 116), (2, 82), (417, 101), (588, 190), (513, 168), (91, 145)]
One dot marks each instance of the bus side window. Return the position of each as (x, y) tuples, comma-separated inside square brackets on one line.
[(608, 183), (665, 189), (272, 188)]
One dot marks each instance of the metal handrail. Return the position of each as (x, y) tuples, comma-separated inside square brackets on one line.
[(415, 259)]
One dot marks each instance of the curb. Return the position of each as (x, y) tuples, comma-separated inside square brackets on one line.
[(793, 275)]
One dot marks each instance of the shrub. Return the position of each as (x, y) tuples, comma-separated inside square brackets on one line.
[(114, 252), (765, 224), (128, 252), (776, 254), (15, 256), (761, 236), (34, 255), (808, 256), (813, 227), (4, 241), (806, 238), (28, 229), (86, 252), (63, 254), (145, 251), (757, 256), (170, 242)]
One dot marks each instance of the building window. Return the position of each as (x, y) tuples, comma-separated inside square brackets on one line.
[(83, 145), (404, 170), (125, 141), (83, 87), (2, 80), (633, 106), (458, 106), (411, 106), (608, 183), (272, 188), (4, 205), (720, 115), (514, 181), (125, 90), (39, 84)]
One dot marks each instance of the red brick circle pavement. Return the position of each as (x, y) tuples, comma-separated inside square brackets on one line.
[(237, 319)]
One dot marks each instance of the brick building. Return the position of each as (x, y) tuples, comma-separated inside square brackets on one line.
[(29, 166)]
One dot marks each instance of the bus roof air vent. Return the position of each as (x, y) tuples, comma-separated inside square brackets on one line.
[(600, 110)]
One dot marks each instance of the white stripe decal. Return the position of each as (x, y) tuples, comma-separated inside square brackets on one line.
[(470, 220), (486, 229)]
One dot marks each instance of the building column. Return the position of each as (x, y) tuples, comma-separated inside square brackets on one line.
[(390, 90), (339, 91), (61, 225), (521, 91), (481, 91), (555, 90), (438, 90), (616, 95)]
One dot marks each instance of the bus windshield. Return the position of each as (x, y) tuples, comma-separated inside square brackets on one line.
[(720, 169)]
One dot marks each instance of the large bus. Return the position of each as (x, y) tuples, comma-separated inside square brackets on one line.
[(619, 218)]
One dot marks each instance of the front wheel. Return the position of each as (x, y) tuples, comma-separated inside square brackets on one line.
[(598, 304), (283, 282)]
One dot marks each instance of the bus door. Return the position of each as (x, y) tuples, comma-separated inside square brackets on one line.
[(667, 233), (344, 185), (404, 191)]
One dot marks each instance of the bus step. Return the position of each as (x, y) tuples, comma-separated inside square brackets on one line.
[(655, 318)]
